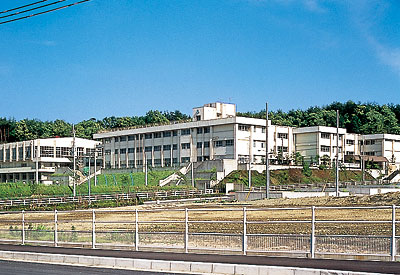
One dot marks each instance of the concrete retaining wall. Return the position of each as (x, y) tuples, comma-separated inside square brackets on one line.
[(166, 266)]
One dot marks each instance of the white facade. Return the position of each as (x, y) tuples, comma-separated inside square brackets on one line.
[(19, 161), (215, 133)]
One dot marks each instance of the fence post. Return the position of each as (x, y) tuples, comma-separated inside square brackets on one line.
[(136, 230), (312, 246), (55, 228), (93, 229), (23, 227), (186, 230), (393, 251), (244, 231)]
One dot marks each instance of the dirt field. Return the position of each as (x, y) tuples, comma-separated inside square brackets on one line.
[(266, 220)]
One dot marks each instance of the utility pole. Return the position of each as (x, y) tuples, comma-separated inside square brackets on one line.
[(192, 174), (266, 153), (249, 174), (37, 161), (74, 156), (89, 180), (95, 167), (362, 161), (145, 169), (337, 154)]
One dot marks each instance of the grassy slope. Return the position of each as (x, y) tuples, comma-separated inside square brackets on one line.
[(291, 176), (124, 184)]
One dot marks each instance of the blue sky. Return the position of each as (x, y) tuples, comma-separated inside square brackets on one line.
[(126, 57)]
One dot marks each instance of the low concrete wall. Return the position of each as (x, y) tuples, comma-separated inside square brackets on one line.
[(166, 266)]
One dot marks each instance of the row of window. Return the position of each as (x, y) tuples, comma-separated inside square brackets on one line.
[(45, 151), (184, 146), (167, 161), (184, 132)]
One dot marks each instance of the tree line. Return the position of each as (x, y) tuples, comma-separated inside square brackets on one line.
[(26, 129), (359, 118)]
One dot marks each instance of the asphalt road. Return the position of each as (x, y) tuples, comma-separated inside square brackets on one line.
[(342, 265), (24, 268)]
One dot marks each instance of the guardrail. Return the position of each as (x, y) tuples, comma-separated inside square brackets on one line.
[(305, 231), (102, 197)]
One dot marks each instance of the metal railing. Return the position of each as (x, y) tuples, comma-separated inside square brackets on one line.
[(103, 197), (305, 231)]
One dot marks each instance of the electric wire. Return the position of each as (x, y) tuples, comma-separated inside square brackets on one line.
[(43, 12), (24, 6), (35, 8)]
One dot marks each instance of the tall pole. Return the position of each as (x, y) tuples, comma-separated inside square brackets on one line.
[(74, 156), (249, 174), (145, 169), (266, 153), (95, 167), (37, 163), (89, 181), (363, 160), (337, 153), (192, 174)]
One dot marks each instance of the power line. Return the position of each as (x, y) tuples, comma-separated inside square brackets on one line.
[(43, 12), (21, 7), (35, 8)]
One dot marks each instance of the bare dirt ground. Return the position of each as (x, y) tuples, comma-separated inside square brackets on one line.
[(262, 216)]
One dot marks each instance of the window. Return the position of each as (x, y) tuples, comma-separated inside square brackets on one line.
[(157, 148), (1, 155), (283, 149), (283, 135), (167, 161), (147, 149), (148, 136), (27, 153), (167, 147), (157, 135), (175, 160), (325, 136), (21, 153), (350, 142), (107, 152), (199, 144), (206, 130), (167, 134), (199, 158), (45, 151), (325, 148), (130, 138), (199, 130), (243, 127), (8, 154), (116, 151), (206, 158), (229, 142), (131, 150), (131, 163), (157, 161), (218, 143), (198, 117), (116, 139), (185, 146), (139, 149), (123, 138), (349, 153), (107, 140), (14, 153), (139, 162), (370, 153), (263, 129), (58, 152), (174, 146), (206, 144), (123, 150), (185, 132), (370, 142), (175, 133), (185, 159)]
